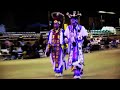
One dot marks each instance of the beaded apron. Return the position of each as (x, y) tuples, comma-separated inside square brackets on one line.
[(56, 48)]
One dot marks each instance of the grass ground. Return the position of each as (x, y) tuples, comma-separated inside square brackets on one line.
[(98, 65)]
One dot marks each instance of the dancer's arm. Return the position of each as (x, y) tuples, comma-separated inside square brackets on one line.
[(66, 35), (48, 47)]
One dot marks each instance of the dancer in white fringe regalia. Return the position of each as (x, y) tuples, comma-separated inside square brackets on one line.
[(75, 36)]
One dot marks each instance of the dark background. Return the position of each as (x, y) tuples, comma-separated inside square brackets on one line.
[(18, 19), (90, 15)]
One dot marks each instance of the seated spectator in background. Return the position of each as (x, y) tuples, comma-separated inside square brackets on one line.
[(7, 43), (86, 43), (87, 46), (19, 51), (94, 45), (41, 39), (3, 46), (27, 50), (114, 44), (98, 40), (13, 52), (21, 40), (107, 42), (102, 42), (36, 48), (16, 51), (44, 45), (45, 42), (42, 42), (92, 41), (117, 41), (5, 49)]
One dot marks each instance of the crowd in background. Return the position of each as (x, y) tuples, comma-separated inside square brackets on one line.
[(100, 43), (21, 49)]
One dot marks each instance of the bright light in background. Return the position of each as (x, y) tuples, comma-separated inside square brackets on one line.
[(101, 12), (106, 12), (110, 13)]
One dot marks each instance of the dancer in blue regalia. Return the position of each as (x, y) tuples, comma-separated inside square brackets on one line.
[(75, 36)]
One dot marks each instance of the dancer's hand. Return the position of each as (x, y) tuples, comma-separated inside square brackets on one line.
[(47, 52), (66, 40)]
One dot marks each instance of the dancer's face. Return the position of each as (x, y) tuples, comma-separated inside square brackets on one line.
[(56, 25), (73, 21)]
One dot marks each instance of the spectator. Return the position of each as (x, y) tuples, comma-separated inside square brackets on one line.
[(42, 43), (107, 42), (7, 43), (19, 50), (36, 48), (118, 41), (21, 40), (114, 44), (27, 50)]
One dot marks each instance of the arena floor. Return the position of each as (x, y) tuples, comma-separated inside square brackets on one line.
[(98, 65)]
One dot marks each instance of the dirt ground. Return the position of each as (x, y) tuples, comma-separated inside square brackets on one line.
[(98, 65)]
